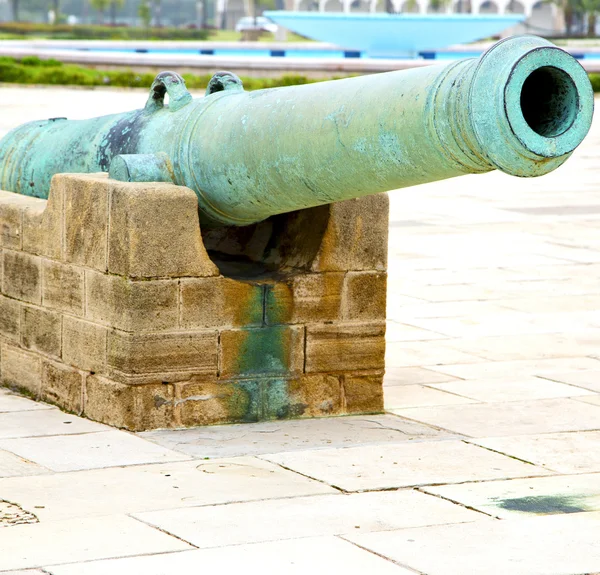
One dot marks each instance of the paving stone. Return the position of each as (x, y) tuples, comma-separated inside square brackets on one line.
[(562, 452), (25, 572), (155, 487), (12, 402), (530, 346), (89, 450), (400, 332), (527, 497), (271, 437), (12, 465), (587, 379), (403, 465), (319, 555), (424, 353), (404, 396), (556, 302), (413, 375), (510, 418), (75, 540), (493, 369), (591, 399), (538, 546), (511, 389), (241, 523), (44, 422)]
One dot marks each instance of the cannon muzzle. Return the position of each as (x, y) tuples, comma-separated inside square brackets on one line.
[(522, 108)]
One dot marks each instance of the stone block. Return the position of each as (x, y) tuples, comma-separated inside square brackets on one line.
[(220, 302), (304, 298), (21, 278), (152, 357), (210, 402), (41, 330), (11, 221), (313, 395), (133, 407), (363, 393), (356, 237), (62, 386), (365, 296), (10, 318), (43, 224), (265, 351), (155, 232), (86, 201), (338, 348), (132, 305), (84, 344), (21, 370), (62, 287)]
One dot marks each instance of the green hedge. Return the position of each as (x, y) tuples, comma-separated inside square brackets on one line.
[(32, 70), (79, 32)]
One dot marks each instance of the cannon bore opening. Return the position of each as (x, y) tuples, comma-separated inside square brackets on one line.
[(280, 245), (549, 101)]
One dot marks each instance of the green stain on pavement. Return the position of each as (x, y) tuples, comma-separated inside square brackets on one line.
[(544, 504)]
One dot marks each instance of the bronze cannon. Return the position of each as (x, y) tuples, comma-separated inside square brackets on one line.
[(522, 108)]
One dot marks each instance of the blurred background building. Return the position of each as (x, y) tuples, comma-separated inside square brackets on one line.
[(543, 17)]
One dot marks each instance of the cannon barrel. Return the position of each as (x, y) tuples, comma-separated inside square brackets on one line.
[(523, 107)]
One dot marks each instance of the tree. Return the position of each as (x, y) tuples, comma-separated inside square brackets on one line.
[(573, 10), (114, 4), (56, 10), (14, 4), (101, 6), (590, 8), (157, 13), (145, 13)]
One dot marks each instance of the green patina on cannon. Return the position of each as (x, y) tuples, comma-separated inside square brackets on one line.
[(523, 107)]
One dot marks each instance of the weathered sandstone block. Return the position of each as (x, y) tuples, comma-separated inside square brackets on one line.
[(115, 304)]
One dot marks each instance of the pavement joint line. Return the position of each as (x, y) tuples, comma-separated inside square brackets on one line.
[(580, 399), (563, 382), (501, 479), (437, 428), (430, 386), (304, 475), (151, 525), (55, 435), (49, 408), (506, 455), (120, 466), (382, 426), (465, 482), (455, 502), (47, 566), (470, 438), (381, 556), (481, 403)]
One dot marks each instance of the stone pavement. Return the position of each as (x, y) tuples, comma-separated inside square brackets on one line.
[(487, 462)]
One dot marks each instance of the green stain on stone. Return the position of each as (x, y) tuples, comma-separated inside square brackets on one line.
[(263, 354), (544, 504), (245, 402)]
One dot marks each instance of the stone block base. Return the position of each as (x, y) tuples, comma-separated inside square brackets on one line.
[(116, 305)]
